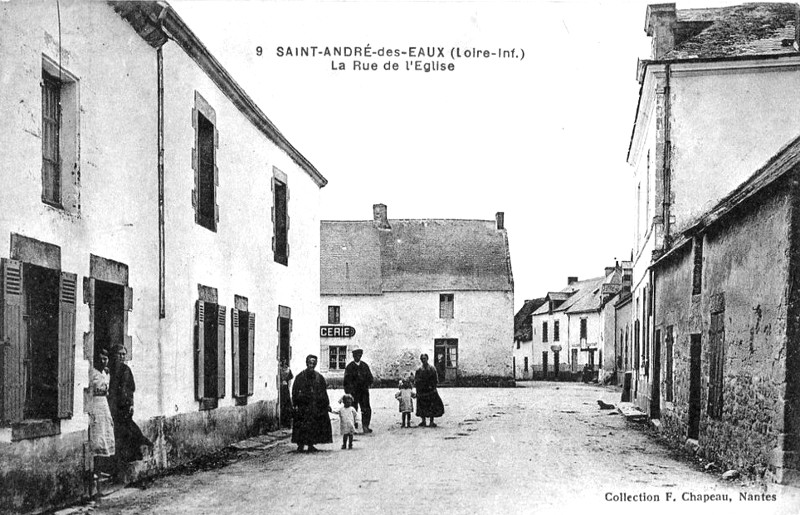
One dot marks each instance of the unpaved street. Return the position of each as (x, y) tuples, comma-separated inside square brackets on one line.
[(538, 448)]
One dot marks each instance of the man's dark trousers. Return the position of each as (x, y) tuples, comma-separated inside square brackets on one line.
[(361, 398)]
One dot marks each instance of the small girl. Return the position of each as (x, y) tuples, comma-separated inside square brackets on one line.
[(348, 421), (405, 397)]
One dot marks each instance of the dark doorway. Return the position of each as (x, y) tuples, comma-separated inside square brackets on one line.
[(445, 351), (655, 391), (695, 353), (40, 365), (109, 316), (284, 339), (574, 360), (544, 364), (244, 352), (556, 363)]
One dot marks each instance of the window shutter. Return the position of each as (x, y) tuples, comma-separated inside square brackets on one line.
[(235, 350), (14, 329), (199, 352), (66, 343), (216, 137), (221, 352), (128, 298), (88, 290), (251, 350), (324, 358)]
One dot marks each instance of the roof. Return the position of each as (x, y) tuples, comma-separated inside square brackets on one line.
[(413, 255), (574, 293), (739, 30), (523, 330), (157, 22), (587, 298)]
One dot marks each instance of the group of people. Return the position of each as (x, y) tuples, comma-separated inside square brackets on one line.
[(114, 436), (311, 405)]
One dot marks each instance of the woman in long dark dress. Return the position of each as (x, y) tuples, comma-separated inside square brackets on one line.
[(311, 423), (127, 435), (286, 397), (429, 404)]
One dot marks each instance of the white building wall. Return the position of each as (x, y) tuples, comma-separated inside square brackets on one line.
[(593, 331), (396, 327)]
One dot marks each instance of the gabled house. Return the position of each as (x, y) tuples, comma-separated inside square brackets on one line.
[(138, 181), (398, 288), (713, 139), (523, 336)]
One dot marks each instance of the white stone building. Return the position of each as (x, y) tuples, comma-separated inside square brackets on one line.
[(145, 201), (398, 288)]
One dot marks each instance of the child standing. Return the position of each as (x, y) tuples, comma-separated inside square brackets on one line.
[(405, 397), (348, 421)]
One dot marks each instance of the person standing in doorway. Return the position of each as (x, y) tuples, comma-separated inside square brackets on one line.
[(357, 380), (286, 397), (101, 425), (129, 439)]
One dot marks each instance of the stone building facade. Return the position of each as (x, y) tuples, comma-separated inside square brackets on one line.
[(398, 288), (699, 364), (145, 203)]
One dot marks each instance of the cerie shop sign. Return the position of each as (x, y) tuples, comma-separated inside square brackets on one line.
[(336, 331)]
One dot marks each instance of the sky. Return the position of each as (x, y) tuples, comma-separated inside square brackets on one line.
[(542, 138)]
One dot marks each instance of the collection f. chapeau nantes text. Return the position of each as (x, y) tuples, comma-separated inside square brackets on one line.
[(692, 497), (412, 58)]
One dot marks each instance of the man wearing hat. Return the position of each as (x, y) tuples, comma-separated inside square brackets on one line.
[(357, 380)]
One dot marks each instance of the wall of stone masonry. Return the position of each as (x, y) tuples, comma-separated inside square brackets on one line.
[(745, 266)]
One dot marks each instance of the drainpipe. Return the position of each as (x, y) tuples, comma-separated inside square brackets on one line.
[(667, 172), (161, 236)]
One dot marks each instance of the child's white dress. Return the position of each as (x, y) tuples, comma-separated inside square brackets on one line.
[(405, 396), (348, 418)]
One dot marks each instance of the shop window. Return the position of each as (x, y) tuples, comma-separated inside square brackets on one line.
[(209, 349), (446, 301), (38, 332), (333, 314), (243, 329), (337, 357), (544, 332), (204, 162), (59, 137), (280, 217)]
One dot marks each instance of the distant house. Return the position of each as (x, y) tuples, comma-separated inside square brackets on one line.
[(713, 308), (616, 284), (399, 288), (523, 336)]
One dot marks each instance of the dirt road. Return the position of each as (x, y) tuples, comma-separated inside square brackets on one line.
[(538, 448)]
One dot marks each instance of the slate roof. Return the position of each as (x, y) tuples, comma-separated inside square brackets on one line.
[(740, 30), (570, 295), (414, 255), (523, 331), (587, 298)]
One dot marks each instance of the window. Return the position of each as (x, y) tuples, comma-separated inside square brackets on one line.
[(446, 305), (206, 173), (697, 272), (59, 137), (716, 361), (556, 333), (38, 331), (584, 330), (668, 342), (280, 217), (526, 363), (337, 357), (333, 315), (544, 331), (243, 328), (209, 349)]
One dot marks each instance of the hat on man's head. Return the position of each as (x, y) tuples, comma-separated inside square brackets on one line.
[(356, 349)]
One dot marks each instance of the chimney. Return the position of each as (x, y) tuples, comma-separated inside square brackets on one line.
[(380, 217), (571, 279), (660, 21), (501, 220)]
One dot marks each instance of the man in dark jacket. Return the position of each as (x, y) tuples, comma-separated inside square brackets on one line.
[(357, 380)]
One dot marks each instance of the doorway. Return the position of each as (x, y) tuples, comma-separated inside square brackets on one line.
[(109, 316), (445, 352), (655, 391), (284, 356), (544, 364), (694, 386)]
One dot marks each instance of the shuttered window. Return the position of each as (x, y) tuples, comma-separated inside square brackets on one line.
[(243, 327), (38, 333), (280, 218), (210, 353), (204, 163)]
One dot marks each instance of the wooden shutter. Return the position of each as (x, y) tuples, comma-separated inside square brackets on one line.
[(324, 358), (13, 336), (220, 352), (68, 293), (251, 350), (199, 350), (235, 351)]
